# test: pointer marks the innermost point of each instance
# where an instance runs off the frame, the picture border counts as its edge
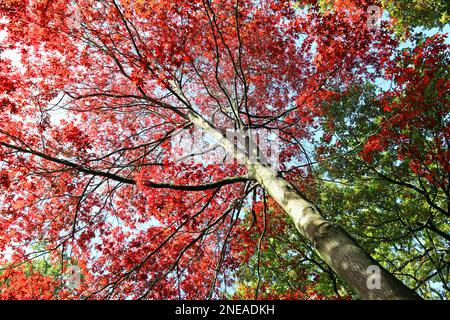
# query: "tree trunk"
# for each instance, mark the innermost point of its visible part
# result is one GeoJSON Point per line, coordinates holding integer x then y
{"type": "Point", "coordinates": [335, 246]}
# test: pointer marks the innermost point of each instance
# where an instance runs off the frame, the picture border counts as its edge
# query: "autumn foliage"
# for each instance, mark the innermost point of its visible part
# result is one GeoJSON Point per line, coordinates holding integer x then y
{"type": "Point", "coordinates": [88, 112]}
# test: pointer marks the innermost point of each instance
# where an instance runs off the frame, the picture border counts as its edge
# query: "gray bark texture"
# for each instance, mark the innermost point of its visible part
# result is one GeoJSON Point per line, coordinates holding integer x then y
{"type": "Point", "coordinates": [334, 245]}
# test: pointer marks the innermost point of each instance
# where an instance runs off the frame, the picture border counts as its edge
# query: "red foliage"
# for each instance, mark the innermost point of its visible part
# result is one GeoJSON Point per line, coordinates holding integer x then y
{"type": "Point", "coordinates": [416, 111]}
{"type": "Point", "coordinates": [96, 96]}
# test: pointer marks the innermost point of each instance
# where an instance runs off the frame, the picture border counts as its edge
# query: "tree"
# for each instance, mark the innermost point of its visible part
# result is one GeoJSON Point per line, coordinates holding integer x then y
{"type": "Point", "coordinates": [102, 90]}
{"type": "Point", "coordinates": [405, 14]}
{"type": "Point", "coordinates": [392, 195]}
{"type": "Point", "coordinates": [389, 153]}
{"type": "Point", "coordinates": [410, 14]}
{"type": "Point", "coordinates": [41, 278]}
{"type": "Point", "coordinates": [283, 265]}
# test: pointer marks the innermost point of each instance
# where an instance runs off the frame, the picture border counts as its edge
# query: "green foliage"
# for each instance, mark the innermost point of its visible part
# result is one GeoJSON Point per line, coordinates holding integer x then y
{"type": "Point", "coordinates": [418, 13]}
{"type": "Point", "coordinates": [406, 14]}
{"type": "Point", "coordinates": [289, 268]}
{"type": "Point", "coordinates": [392, 222]}
{"type": "Point", "coordinates": [41, 277]}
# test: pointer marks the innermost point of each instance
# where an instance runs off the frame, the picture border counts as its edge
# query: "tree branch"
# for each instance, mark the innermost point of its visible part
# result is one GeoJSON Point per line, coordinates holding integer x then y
{"type": "Point", "coordinates": [201, 187]}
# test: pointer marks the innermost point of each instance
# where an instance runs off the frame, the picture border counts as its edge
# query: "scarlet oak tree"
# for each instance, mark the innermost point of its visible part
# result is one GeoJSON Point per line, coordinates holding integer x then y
{"type": "Point", "coordinates": [102, 88]}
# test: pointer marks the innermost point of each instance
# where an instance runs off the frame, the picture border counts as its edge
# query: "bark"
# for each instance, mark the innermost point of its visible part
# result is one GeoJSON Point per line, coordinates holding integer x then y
{"type": "Point", "coordinates": [334, 245]}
